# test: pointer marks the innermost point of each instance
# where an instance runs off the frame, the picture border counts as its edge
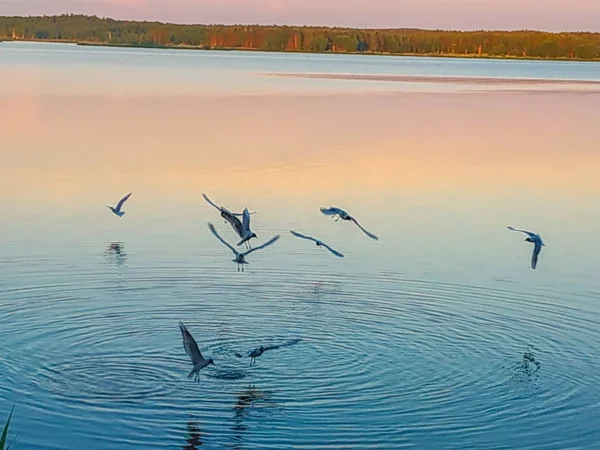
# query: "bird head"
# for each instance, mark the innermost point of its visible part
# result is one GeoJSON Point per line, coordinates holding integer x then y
{"type": "Point", "coordinates": [253, 235]}
{"type": "Point", "coordinates": [261, 348]}
{"type": "Point", "coordinates": [528, 239]}
{"type": "Point", "coordinates": [210, 361]}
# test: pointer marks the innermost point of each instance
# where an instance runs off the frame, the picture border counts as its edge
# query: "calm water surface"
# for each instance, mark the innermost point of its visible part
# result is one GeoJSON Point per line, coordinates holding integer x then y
{"type": "Point", "coordinates": [438, 335]}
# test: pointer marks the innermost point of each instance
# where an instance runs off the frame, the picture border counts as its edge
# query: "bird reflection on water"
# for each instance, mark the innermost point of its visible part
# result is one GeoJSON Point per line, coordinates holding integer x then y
{"type": "Point", "coordinates": [248, 398]}
{"type": "Point", "coordinates": [115, 253]}
{"type": "Point", "coordinates": [193, 438]}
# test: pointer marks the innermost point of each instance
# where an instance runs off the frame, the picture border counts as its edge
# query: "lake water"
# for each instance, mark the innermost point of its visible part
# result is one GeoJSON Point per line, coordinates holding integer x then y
{"type": "Point", "coordinates": [437, 336]}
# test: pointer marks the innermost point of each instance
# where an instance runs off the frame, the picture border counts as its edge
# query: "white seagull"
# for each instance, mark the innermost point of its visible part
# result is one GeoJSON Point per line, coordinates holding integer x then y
{"type": "Point", "coordinates": [241, 229]}
{"type": "Point", "coordinates": [536, 239]}
{"type": "Point", "coordinates": [191, 348]}
{"type": "Point", "coordinates": [117, 209]}
{"type": "Point", "coordinates": [318, 242]}
{"type": "Point", "coordinates": [240, 258]}
{"type": "Point", "coordinates": [253, 354]}
{"type": "Point", "coordinates": [341, 214]}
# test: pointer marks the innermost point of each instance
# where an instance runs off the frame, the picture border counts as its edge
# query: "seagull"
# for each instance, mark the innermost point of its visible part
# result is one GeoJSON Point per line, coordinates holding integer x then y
{"type": "Point", "coordinates": [191, 348]}
{"type": "Point", "coordinates": [253, 354]}
{"type": "Point", "coordinates": [240, 258]}
{"type": "Point", "coordinates": [247, 234]}
{"type": "Point", "coordinates": [241, 229]}
{"type": "Point", "coordinates": [117, 209]}
{"type": "Point", "coordinates": [319, 243]}
{"type": "Point", "coordinates": [537, 244]}
{"type": "Point", "coordinates": [341, 214]}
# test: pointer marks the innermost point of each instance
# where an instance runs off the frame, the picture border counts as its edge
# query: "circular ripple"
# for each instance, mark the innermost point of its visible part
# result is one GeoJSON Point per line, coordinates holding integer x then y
{"type": "Point", "coordinates": [406, 362]}
{"type": "Point", "coordinates": [108, 378]}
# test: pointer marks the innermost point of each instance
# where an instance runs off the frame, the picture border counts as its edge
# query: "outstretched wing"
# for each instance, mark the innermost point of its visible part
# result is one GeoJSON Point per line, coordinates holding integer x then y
{"type": "Point", "coordinates": [310, 238]}
{"type": "Point", "coordinates": [271, 347]}
{"type": "Point", "coordinates": [190, 345]}
{"type": "Point", "coordinates": [371, 235]}
{"type": "Point", "coordinates": [529, 233]}
{"type": "Point", "coordinates": [266, 244]}
{"type": "Point", "coordinates": [537, 247]}
{"type": "Point", "coordinates": [210, 202]}
{"type": "Point", "coordinates": [235, 223]}
{"type": "Point", "coordinates": [223, 241]}
{"type": "Point", "coordinates": [123, 200]}
{"type": "Point", "coordinates": [332, 211]}
{"type": "Point", "coordinates": [246, 219]}
{"type": "Point", "coordinates": [285, 344]}
{"type": "Point", "coordinates": [335, 252]}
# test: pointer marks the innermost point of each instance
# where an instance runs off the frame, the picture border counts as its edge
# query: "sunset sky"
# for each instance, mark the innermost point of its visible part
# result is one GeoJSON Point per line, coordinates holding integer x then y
{"type": "Point", "coordinates": [552, 15]}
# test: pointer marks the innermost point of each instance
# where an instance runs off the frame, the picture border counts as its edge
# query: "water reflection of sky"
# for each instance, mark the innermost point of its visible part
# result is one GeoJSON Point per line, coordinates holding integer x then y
{"type": "Point", "coordinates": [64, 68]}
{"type": "Point", "coordinates": [433, 327]}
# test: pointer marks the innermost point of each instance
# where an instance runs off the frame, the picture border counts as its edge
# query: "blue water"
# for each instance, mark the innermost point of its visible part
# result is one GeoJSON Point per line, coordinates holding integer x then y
{"type": "Point", "coordinates": [437, 336]}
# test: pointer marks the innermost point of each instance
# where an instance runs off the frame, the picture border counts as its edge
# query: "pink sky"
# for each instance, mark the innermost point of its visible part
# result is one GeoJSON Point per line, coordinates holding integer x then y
{"type": "Point", "coordinates": [553, 15]}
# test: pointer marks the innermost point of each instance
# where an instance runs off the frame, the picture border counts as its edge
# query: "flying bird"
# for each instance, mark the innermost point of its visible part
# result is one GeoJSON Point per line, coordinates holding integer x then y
{"type": "Point", "coordinates": [240, 258]}
{"type": "Point", "coordinates": [247, 234]}
{"type": "Point", "coordinates": [241, 229]}
{"type": "Point", "coordinates": [255, 353]}
{"type": "Point", "coordinates": [117, 209]}
{"type": "Point", "coordinates": [191, 348]}
{"type": "Point", "coordinates": [341, 214]}
{"type": "Point", "coordinates": [537, 244]}
{"type": "Point", "coordinates": [318, 242]}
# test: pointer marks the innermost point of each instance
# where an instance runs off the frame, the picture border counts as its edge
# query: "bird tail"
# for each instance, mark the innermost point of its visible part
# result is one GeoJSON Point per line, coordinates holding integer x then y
{"type": "Point", "coordinates": [239, 355]}
{"type": "Point", "coordinates": [196, 369]}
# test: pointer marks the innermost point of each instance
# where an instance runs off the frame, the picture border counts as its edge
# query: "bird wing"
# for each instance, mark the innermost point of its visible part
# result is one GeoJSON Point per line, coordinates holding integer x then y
{"type": "Point", "coordinates": [214, 231]}
{"type": "Point", "coordinates": [266, 244]}
{"type": "Point", "coordinates": [190, 345]}
{"type": "Point", "coordinates": [271, 347]}
{"type": "Point", "coordinates": [335, 252]}
{"type": "Point", "coordinates": [123, 200]}
{"type": "Point", "coordinates": [246, 219]}
{"type": "Point", "coordinates": [210, 202]}
{"type": "Point", "coordinates": [331, 211]}
{"type": "Point", "coordinates": [310, 238]}
{"type": "Point", "coordinates": [241, 214]}
{"type": "Point", "coordinates": [285, 344]}
{"type": "Point", "coordinates": [233, 221]}
{"type": "Point", "coordinates": [537, 247]}
{"type": "Point", "coordinates": [529, 233]}
{"type": "Point", "coordinates": [371, 235]}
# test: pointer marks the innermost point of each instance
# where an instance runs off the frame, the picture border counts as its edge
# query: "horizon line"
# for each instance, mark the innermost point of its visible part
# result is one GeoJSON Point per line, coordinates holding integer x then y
{"type": "Point", "coordinates": [334, 27]}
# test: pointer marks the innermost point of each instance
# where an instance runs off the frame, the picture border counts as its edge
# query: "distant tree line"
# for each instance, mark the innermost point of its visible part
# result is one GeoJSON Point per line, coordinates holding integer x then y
{"type": "Point", "coordinates": [92, 29]}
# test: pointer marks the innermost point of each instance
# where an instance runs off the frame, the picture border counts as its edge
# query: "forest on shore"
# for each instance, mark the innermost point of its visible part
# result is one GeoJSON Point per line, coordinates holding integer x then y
{"type": "Point", "coordinates": [401, 41]}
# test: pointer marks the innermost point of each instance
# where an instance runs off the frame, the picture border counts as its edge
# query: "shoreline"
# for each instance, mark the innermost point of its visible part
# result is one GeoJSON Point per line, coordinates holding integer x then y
{"type": "Point", "coordinates": [469, 56]}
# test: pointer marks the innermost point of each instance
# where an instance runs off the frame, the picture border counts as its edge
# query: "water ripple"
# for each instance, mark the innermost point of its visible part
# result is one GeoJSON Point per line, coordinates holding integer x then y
{"type": "Point", "coordinates": [408, 362]}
